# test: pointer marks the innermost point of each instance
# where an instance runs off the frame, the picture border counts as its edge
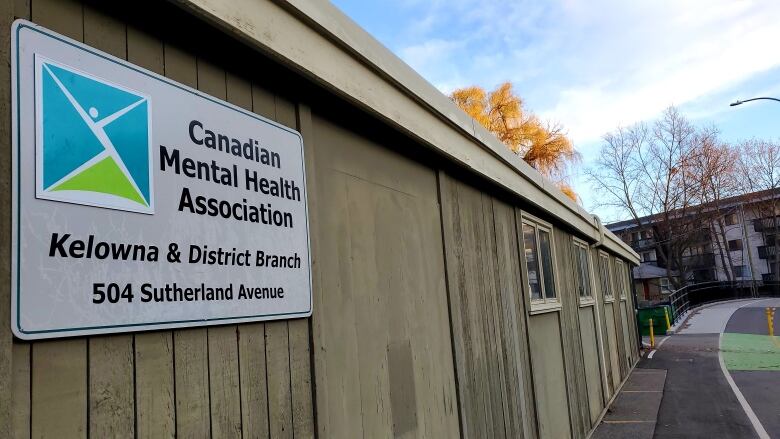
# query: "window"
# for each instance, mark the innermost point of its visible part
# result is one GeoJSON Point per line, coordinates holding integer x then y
{"type": "Point", "coordinates": [604, 280]}
{"type": "Point", "coordinates": [730, 219]}
{"type": "Point", "coordinates": [664, 284]}
{"type": "Point", "coordinates": [622, 278]}
{"type": "Point", "coordinates": [735, 245]}
{"type": "Point", "coordinates": [582, 262]}
{"type": "Point", "coordinates": [770, 239]}
{"type": "Point", "coordinates": [739, 270]}
{"type": "Point", "coordinates": [648, 256]}
{"type": "Point", "coordinates": [538, 248]}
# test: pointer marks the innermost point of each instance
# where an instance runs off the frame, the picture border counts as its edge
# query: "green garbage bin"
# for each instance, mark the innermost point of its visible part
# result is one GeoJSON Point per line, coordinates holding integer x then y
{"type": "Point", "coordinates": [659, 319]}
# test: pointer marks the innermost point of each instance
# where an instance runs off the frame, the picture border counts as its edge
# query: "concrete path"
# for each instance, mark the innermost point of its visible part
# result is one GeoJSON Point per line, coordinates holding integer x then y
{"type": "Point", "coordinates": [722, 378]}
{"type": "Point", "coordinates": [712, 319]}
{"type": "Point", "coordinates": [635, 410]}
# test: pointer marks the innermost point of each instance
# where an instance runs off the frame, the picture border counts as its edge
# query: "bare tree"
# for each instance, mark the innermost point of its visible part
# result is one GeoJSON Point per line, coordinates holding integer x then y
{"type": "Point", "coordinates": [715, 165]}
{"type": "Point", "coordinates": [649, 173]}
{"type": "Point", "coordinates": [759, 174]}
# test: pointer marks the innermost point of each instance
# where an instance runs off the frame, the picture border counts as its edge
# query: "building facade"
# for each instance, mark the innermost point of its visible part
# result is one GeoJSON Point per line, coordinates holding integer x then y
{"type": "Point", "coordinates": [735, 241]}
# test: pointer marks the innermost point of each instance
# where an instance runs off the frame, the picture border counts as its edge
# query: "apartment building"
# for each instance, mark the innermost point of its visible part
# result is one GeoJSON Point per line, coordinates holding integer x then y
{"type": "Point", "coordinates": [733, 240]}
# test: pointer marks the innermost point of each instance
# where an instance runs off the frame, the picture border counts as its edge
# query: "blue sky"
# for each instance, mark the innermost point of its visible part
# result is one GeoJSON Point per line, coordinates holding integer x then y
{"type": "Point", "coordinates": [592, 65]}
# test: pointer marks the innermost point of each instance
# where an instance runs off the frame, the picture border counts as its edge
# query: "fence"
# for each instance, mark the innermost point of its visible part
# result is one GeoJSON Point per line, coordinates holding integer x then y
{"type": "Point", "coordinates": [691, 296]}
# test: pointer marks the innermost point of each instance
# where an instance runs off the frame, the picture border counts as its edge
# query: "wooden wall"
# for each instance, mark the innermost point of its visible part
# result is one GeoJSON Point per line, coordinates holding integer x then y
{"type": "Point", "coordinates": [250, 380]}
{"type": "Point", "coordinates": [382, 347]}
{"type": "Point", "coordinates": [421, 324]}
{"type": "Point", "coordinates": [490, 338]}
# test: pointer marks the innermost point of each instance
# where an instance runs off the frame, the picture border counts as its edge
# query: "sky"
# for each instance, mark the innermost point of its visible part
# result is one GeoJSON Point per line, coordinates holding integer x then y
{"type": "Point", "coordinates": [594, 65]}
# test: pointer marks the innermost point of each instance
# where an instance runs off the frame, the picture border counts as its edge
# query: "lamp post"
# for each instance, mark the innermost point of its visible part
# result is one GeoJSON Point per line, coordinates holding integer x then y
{"type": "Point", "coordinates": [738, 102]}
{"type": "Point", "coordinates": [742, 208]}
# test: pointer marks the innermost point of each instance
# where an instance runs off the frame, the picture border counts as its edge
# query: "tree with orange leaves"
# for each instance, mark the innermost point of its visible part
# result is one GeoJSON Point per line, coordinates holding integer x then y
{"type": "Point", "coordinates": [543, 146]}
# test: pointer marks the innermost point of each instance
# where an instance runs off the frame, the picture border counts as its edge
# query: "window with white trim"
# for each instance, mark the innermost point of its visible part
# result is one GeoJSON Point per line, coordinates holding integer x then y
{"type": "Point", "coordinates": [539, 261]}
{"type": "Point", "coordinates": [604, 278]}
{"type": "Point", "coordinates": [622, 278]}
{"type": "Point", "coordinates": [582, 263]}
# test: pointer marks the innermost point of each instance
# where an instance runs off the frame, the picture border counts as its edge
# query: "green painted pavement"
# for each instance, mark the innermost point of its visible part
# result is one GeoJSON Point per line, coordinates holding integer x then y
{"type": "Point", "coordinates": [750, 351]}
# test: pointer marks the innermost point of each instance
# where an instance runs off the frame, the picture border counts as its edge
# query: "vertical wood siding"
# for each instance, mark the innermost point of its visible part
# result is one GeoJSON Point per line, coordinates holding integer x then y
{"type": "Point", "coordinates": [487, 312]}
{"type": "Point", "coordinates": [202, 382]}
{"type": "Point", "coordinates": [576, 385]}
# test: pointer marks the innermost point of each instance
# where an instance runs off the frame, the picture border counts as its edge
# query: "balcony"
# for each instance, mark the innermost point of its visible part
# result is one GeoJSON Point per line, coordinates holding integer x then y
{"type": "Point", "coordinates": [767, 251]}
{"type": "Point", "coordinates": [693, 262]}
{"type": "Point", "coordinates": [644, 243]}
{"type": "Point", "coordinates": [766, 224]}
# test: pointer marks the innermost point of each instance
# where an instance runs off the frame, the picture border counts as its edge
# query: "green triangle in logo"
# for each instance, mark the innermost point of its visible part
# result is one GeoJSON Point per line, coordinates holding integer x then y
{"type": "Point", "coordinates": [105, 177]}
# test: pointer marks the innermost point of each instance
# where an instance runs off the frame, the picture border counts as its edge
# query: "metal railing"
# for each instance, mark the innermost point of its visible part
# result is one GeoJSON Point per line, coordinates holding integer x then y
{"type": "Point", "coordinates": [766, 224]}
{"type": "Point", "coordinates": [767, 251]}
{"type": "Point", "coordinates": [691, 296]}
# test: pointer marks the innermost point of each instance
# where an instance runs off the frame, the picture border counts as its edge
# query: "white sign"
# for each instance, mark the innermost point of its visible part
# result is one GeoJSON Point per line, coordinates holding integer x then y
{"type": "Point", "coordinates": [140, 203]}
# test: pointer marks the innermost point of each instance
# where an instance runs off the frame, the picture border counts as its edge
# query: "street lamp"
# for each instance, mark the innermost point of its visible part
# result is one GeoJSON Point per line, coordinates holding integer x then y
{"type": "Point", "coordinates": [738, 102]}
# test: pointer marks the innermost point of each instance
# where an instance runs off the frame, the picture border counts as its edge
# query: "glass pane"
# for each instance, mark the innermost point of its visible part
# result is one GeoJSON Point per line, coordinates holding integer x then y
{"type": "Point", "coordinates": [531, 261]}
{"type": "Point", "coordinates": [584, 272]}
{"type": "Point", "coordinates": [547, 264]}
{"type": "Point", "coordinates": [578, 268]}
{"type": "Point", "coordinates": [604, 276]}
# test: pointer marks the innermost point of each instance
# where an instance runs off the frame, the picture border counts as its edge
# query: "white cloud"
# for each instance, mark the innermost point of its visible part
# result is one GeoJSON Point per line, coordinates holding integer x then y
{"type": "Point", "coordinates": [592, 65]}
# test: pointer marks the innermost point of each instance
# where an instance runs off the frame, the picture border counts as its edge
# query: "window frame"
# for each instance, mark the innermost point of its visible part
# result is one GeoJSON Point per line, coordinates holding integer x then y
{"type": "Point", "coordinates": [611, 297]}
{"type": "Point", "coordinates": [742, 269]}
{"type": "Point", "coordinates": [544, 304]}
{"type": "Point", "coordinates": [578, 244]}
{"type": "Point", "coordinates": [620, 268]}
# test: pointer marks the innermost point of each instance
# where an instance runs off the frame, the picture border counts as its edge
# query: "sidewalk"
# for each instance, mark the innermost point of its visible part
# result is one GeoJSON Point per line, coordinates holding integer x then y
{"type": "Point", "coordinates": [635, 410]}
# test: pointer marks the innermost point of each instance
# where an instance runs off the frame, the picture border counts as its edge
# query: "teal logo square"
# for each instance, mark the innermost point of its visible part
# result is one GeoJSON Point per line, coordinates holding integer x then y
{"type": "Point", "coordinates": [94, 145]}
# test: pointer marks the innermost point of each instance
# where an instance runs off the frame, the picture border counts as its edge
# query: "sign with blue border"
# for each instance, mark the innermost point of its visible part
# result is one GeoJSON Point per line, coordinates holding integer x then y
{"type": "Point", "coordinates": [140, 203]}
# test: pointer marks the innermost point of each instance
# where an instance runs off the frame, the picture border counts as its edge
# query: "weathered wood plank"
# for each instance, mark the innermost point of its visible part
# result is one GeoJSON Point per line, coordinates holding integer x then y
{"type": "Point", "coordinates": [111, 382]}
{"type": "Point", "coordinates": [20, 391]}
{"type": "Point", "coordinates": [63, 16]}
{"type": "Point", "coordinates": [145, 50]}
{"type": "Point", "coordinates": [193, 418]}
{"type": "Point", "coordinates": [59, 389]}
{"type": "Point", "coordinates": [263, 102]}
{"type": "Point", "coordinates": [105, 32]}
{"type": "Point", "coordinates": [300, 379]}
{"type": "Point", "coordinates": [278, 371]}
{"type": "Point", "coordinates": [300, 330]}
{"type": "Point", "coordinates": [154, 392]}
{"type": "Point", "coordinates": [512, 318]}
{"type": "Point", "coordinates": [549, 376]}
{"type": "Point", "coordinates": [8, 384]}
{"type": "Point", "coordinates": [252, 370]}
{"type": "Point", "coordinates": [238, 91]}
{"type": "Point", "coordinates": [225, 395]}
{"type": "Point", "coordinates": [570, 332]}
{"type": "Point", "coordinates": [22, 9]}
{"type": "Point", "coordinates": [180, 66]}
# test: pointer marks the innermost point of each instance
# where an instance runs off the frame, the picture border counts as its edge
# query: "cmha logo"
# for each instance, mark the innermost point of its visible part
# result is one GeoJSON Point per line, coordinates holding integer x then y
{"type": "Point", "coordinates": [93, 140]}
